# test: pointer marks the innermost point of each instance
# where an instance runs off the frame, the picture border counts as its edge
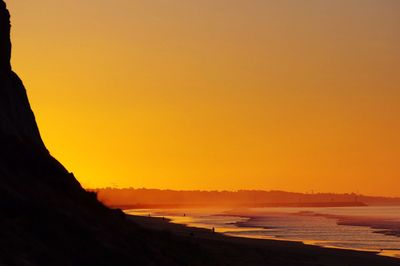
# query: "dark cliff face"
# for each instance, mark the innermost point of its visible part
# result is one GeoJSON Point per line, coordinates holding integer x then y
{"type": "Point", "coordinates": [16, 118]}
{"type": "Point", "coordinates": [24, 160]}
{"type": "Point", "coordinates": [23, 155]}
{"type": "Point", "coordinates": [46, 217]}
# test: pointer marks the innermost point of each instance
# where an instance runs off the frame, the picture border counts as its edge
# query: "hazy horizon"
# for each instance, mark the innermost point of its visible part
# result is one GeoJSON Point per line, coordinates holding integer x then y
{"type": "Point", "coordinates": [306, 192]}
{"type": "Point", "coordinates": [216, 95]}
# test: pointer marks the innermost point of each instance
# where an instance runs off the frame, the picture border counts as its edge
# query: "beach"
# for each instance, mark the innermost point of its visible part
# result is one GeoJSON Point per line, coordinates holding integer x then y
{"type": "Point", "coordinates": [232, 250]}
{"type": "Point", "coordinates": [367, 228]}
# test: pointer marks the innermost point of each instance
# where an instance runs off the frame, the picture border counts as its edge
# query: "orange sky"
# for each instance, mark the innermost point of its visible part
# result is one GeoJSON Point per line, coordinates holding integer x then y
{"type": "Point", "coordinates": [216, 94]}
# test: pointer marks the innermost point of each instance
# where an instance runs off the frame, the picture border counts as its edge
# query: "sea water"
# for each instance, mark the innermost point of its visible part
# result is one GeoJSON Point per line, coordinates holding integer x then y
{"type": "Point", "coordinates": [317, 226]}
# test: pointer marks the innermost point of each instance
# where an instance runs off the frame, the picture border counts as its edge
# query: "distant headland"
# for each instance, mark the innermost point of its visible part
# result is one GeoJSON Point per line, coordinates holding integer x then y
{"type": "Point", "coordinates": [156, 198]}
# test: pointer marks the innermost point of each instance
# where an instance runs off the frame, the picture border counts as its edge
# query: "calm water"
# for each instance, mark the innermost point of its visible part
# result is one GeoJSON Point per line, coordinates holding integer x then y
{"type": "Point", "coordinates": [309, 225]}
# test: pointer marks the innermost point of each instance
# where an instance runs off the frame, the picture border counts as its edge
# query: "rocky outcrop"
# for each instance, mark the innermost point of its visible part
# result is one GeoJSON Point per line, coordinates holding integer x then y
{"type": "Point", "coordinates": [46, 217]}
{"type": "Point", "coordinates": [16, 117]}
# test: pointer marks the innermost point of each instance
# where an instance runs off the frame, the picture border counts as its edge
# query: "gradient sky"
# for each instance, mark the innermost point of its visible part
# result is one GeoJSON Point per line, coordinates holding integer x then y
{"type": "Point", "coordinates": [296, 95]}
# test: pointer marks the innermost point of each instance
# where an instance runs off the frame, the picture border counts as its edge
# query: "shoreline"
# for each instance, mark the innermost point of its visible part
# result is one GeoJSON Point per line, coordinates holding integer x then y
{"type": "Point", "coordinates": [380, 225]}
{"type": "Point", "coordinates": [305, 251]}
{"type": "Point", "coordinates": [384, 227]}
{"type": "Point", "coordinates": [245, 221]}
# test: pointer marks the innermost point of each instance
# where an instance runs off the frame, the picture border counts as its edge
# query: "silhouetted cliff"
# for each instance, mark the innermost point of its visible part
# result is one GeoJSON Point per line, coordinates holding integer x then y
{"type": "Point", "coordinates": [16, 118]}
{"type": "Point", "coordinates": [46, 218]}
{"type": "Point", "coordinates": [27, 170]}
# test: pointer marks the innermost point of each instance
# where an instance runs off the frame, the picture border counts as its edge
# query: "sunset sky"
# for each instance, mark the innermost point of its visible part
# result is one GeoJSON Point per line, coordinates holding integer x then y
{"type": "Point", "coordinates": [296, 95]}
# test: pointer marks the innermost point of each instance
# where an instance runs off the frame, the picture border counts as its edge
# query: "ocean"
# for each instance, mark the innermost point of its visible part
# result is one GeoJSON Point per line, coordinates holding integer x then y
{"type": "Point", "coordinates": [359, 228]}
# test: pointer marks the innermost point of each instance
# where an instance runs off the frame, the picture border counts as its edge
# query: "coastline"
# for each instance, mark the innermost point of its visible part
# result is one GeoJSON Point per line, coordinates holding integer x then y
{"type": "Point", "coordinates": [281, 252]}
{"type": "Point", "coordinates": [379, 225]}
{"type": "Point", "coordinates": [251, 224]}
{"type": "Point", "coordinates": [325, 244]}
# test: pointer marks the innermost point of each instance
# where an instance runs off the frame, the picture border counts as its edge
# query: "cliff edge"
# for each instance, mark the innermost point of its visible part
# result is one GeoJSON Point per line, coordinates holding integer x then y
{"type": "Point", "coordinates": [46, 217]}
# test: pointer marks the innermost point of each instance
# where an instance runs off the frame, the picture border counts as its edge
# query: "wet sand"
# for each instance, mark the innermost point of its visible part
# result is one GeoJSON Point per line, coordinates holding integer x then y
{"type": "Point", "coordinates": [229, 250]}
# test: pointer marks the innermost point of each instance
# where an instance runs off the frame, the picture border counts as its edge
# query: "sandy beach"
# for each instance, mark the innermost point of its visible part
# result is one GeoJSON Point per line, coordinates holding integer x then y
{"type": "Point", "coordinates": [227, 250]}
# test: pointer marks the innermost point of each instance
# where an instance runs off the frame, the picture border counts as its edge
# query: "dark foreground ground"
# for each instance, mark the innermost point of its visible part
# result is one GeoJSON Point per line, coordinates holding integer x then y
{"type": "Point", "coordinates": [218, 249]}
